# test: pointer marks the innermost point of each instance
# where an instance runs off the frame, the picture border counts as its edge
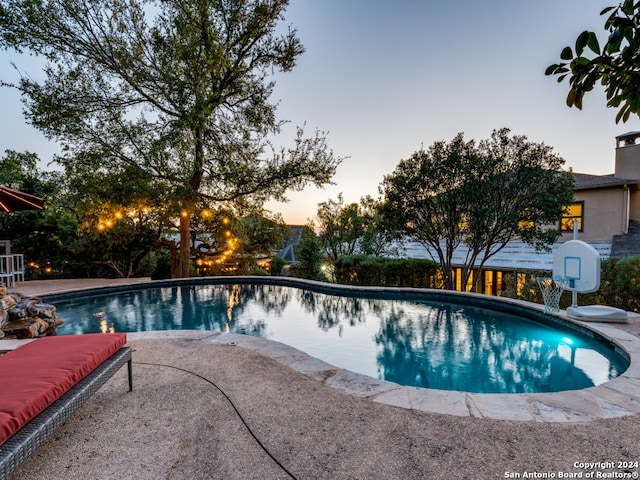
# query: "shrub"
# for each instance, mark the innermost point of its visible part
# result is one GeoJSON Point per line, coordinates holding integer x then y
{"type": "Point", "coordinates": [620, 283]}
{"type": "Point", "coordinates": [387, 272]}
{"type": "Point", "coordinates": [162, 267]}
{"type": "Point", "coordinates": [277, 265]}
{"type": "Point", "coordinates": [310, 256]}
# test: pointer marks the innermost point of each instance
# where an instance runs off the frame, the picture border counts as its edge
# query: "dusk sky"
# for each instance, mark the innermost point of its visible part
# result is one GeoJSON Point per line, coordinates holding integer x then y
{"type": "Point", "coordinates": [384, 78]}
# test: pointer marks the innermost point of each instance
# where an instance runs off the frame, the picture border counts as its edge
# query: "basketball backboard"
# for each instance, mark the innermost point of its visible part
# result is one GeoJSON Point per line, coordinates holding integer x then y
{"type": "Point", "coordinates": [579, 263]}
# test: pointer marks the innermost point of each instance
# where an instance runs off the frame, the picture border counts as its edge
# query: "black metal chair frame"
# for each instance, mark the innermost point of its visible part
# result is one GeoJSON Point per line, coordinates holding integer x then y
{"type": "Point", "coordinates": [32, 435]}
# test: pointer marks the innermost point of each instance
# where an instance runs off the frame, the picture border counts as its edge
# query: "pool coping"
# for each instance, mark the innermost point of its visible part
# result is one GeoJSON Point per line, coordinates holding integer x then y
{"type": "Point", "coordinates": [616, 398]}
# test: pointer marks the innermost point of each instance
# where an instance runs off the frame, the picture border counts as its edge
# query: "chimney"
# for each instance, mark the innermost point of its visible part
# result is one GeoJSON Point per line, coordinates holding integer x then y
{"type": "Point", "coordinates": [628, 156]}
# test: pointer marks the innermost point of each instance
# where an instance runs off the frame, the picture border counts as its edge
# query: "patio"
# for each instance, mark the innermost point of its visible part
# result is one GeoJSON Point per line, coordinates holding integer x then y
{"type": "Point", "coordinates": [177, 424]}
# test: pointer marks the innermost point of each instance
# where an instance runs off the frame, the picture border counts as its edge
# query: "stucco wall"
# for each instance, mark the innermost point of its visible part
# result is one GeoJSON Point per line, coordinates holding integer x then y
{"type": "Point", "coordinates": [628, 167]}
{"type": "Point", "coordinates": [604, 214]}
{"type": "Point", "coordinates": [628, 162]}
{"type": "Point", "coordinates": [634, 201]}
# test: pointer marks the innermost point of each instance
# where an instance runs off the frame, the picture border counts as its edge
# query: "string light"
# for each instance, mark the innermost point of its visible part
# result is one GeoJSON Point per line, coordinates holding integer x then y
{"type": "Point", "coordinates": [135, 214]}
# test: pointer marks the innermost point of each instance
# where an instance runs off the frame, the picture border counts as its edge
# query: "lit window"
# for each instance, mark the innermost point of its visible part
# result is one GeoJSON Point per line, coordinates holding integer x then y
{"type": "Point", "coordinates": [524, 223]}
{"type": "Point", "coordinates": [575, 211]}
{"type": "Point", "coordinates": [488, 282]}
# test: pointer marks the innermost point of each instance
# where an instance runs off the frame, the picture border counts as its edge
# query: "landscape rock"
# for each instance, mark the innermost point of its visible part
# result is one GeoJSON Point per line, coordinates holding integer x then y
{"type": "Point", "coordinates": [7, 303]}
{"type": "Point", "coordinates": [26, 328]}
{"type": "Point", "coordinates": [26, 317]}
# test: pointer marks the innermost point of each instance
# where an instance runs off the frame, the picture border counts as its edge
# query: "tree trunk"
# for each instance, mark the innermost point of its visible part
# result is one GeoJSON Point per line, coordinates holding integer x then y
{"type": "Point", "coordinates": [173, 252]}
{"type": "Point", "coordinates": [185, 215]}
{"type": "Point", "coordinates": [449, 282]}
{"type": "Point", "coordinates": [185, 244]}
{"type": "Point", "coordinates": [113, 268]}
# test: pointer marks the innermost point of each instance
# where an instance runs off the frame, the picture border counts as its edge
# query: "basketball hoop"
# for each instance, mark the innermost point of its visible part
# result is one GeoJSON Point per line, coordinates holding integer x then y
{"type": "Point", "coordinates": [552, 290]}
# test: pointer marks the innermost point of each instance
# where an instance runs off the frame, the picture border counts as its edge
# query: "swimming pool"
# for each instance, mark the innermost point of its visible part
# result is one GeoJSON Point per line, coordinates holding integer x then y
{"type": "Point", "coordinates": [410, 337]}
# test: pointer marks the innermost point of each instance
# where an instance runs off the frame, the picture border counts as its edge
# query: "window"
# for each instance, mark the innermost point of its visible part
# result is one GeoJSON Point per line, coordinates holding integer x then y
{"type": "Point", "coordinates": [524, 224]}
{"type": "Point", "coordinates": [458, 277]}
{"type": "Point", "coordinates": [493, 282]}
{"type": "Point", "coordinates": [575, 211]}
{"type": "Point", "coordinates": [488, 282]}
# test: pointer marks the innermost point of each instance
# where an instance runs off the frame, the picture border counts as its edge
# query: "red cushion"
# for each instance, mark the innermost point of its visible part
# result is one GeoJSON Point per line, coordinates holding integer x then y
{"type": "Point", "coordinates": [35, 375]}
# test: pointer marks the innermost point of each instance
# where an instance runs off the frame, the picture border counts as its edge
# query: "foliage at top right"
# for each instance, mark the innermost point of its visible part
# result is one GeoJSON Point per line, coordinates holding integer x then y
{"type": "Point", "coordinates": [616, 65]}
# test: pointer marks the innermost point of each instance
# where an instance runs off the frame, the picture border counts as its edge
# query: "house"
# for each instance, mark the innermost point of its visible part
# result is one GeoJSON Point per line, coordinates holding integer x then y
{"type": "Point", "coordinates": [606, 207]}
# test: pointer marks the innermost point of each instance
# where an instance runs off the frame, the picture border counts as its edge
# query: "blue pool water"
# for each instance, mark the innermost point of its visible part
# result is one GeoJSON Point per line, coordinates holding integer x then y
{"type": "Point", "coordinates": [418, 342]}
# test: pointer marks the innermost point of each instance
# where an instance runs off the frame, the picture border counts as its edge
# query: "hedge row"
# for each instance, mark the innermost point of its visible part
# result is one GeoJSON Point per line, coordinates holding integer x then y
{"type": "Point", "coordinates": [387, 272]}
{"type": "Point", "coordinates": [619, 285]}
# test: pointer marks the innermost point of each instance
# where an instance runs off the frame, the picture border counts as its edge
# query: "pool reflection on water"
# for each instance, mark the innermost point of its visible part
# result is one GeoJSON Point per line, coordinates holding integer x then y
{"type": "Point", "coordinates": [433, 344]}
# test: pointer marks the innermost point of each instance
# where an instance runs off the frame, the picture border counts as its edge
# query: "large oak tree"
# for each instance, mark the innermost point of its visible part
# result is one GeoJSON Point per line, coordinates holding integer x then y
{"type": "Point", "coordinates": [176, 88]}
{"type": "Point", "coordinates": [479, 197]}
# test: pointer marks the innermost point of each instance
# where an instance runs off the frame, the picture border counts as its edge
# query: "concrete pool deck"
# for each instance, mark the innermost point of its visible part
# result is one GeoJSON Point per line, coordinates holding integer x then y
{"type": "Point", "coordinates": [317, 421]}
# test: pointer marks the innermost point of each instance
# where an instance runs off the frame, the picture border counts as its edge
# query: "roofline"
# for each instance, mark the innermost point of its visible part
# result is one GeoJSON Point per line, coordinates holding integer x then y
{"type": "Point", "coordinates": [621, 183]}
{"type": "Point", "coordinates": [609, 181]}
